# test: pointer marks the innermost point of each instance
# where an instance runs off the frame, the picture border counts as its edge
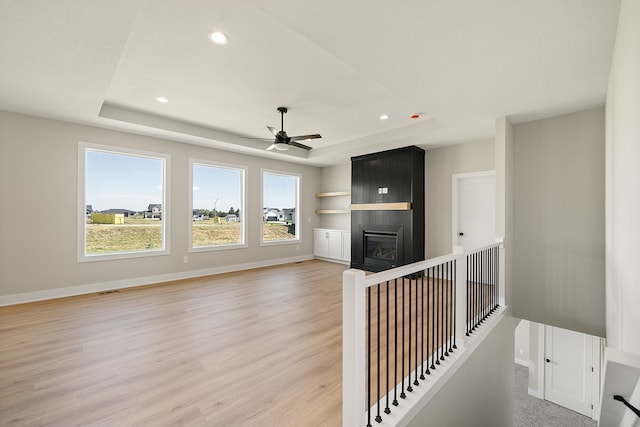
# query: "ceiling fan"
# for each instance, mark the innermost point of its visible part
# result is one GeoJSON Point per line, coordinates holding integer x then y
{"type": "Point", "coordinates": [283, 141]}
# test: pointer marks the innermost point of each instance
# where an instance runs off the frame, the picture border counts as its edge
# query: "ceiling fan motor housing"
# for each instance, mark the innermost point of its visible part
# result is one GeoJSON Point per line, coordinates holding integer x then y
{"type": "Point", "coordinates": [282, 137]}
{"type": "Point", "coordinates": [283, 141]}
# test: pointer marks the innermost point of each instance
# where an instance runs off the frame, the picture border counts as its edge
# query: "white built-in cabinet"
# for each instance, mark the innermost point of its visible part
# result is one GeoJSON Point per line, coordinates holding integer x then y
{"type": "Point", "coordinates": [332, 244]}
{"type": "Point", "coordinates": [346, 246]}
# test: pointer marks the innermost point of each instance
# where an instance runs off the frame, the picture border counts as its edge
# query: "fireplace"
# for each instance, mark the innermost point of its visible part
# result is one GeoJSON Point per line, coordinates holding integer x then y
{"type": "Point", "coordinates": [382, 249]}
{"type": "Point", "coordinates": [387, 209]}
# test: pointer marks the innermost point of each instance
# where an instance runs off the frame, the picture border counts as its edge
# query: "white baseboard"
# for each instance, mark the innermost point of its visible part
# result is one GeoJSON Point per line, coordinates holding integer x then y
{"type": "Point", "coordinates": [138, 281]}
{"type": "Point", "coordinates": [535, 393]}
{"type": "Point", "coordinates": [531, 391]}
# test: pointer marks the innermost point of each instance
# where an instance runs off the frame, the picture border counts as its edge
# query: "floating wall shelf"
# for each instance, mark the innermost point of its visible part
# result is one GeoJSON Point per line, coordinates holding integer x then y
{"type": "Point", "coordinates": [333, 211]}
{"type": "Point", "coordinates": [333, 194]}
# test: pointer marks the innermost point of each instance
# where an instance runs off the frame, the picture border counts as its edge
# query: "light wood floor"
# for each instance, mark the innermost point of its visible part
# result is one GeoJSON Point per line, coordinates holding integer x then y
{"type": "Point", "coordinates": [254, 348]}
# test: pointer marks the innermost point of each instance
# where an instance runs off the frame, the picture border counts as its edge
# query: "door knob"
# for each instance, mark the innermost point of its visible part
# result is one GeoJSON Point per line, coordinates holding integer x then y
{"type": "Point", "coordinates": [548, 360]}
{"type": "Point", "coordinates": [461, 234]}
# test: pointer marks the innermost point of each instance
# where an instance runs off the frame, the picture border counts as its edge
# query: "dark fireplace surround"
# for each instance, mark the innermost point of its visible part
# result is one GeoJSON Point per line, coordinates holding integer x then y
{"type": "Point", "coordinates": [387, 209]}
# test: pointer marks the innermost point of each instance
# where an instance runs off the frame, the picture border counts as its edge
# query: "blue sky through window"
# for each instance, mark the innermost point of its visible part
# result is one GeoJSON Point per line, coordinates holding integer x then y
{"type": "Point", "coordinates": [279, 191]}
{"type": "Point", "coordinates": [120, 181]}
{"type": "Point", "coordinates": [214, 182]}
{"type": "Point", "coordinates": [123, 181]}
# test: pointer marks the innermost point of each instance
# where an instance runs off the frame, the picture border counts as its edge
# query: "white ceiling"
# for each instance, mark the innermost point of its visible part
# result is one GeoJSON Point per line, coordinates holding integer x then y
{"type": "Point", "coordinates": [337, 65]}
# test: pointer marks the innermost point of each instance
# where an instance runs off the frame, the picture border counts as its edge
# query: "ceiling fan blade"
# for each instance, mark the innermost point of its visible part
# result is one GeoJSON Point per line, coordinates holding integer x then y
{"type": "Point", "coordinates": [305, 137]}
{"type": "Point", "coordinates": [258, 139]}
{"type": "Point", "coordinates": [271, 147]}
{"type": "Point", "coordinates": [297, 144]}
{"type": "Point", "coordinates": [274, 131]}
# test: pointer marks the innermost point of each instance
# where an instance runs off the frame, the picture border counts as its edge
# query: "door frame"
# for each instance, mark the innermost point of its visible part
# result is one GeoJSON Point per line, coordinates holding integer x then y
{"type": "Point", "coordinates": [455, 185]}
{"type": "Point", "coordinates": [596, 361]}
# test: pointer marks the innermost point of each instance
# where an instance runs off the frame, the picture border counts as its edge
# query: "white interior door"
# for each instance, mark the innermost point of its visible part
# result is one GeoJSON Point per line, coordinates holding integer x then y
{"type": "Point", "coordinates": [474, 209]}
{"type": "Point", "coordinates": [569, 369]}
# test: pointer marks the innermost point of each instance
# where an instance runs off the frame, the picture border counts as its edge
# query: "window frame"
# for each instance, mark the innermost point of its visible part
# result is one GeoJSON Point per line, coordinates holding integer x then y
{"type": "Point", "coordinates": [82, 256]}
{"type": "Point", "coordinates": [298, 215]}
{"type": "Point", "coordinates": [243, 209]}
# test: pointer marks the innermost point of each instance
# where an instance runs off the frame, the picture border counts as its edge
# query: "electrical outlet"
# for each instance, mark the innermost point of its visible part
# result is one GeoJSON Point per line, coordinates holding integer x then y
{"type": "Point", "coordinates": [186, 260]}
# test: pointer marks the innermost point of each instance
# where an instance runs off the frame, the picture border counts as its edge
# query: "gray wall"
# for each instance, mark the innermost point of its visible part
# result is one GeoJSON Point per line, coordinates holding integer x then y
{"type": "Point", "coordinates": [623, 185]}
{"type": "Point", "coordinates": [481, 392]}
{"type": "Point", "coordinates": [440, 164]}
{"type": "Point", "coordinates": [535, 329]}
{"type": "Point", "coordinates": [559, 221]}
{"type": "Point", "coordinates": [38, 204]}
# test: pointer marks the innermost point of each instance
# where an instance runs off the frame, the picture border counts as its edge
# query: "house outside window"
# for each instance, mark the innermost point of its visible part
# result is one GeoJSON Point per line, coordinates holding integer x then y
{"type": "Point", "coordinates": [280, 199]}
{"type": "Point", "coordinates": [217, 205]}
{"type": "Point", "coordinates": [121, 193]}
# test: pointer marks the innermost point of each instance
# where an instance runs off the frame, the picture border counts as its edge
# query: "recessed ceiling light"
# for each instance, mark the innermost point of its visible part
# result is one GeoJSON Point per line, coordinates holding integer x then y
{"type": "Point", "coordinates": [415, 116]}
{"type": "Point", "coordinates": [218, 38]}
{"type": "Point", "coordinates": [162, 99]}
{"type": "Point", "coordinates": [384, 117]}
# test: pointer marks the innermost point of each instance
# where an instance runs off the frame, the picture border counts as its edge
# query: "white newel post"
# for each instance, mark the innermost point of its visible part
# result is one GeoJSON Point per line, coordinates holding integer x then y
{"type": "Point", "coordinates": [461, 296]}
{"type": "Point", "coordinates": [353, 348]}
{"type": "Point", "coordinates": [501, 272]}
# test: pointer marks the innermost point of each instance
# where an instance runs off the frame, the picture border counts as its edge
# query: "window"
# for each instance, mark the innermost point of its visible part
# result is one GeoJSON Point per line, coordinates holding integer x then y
{"type": "Point", "coordinates": [122, 203]}
{"type": "Point", "coordinates": [217, 205]}
{"type": "Point", "coordinates": [280, 195]}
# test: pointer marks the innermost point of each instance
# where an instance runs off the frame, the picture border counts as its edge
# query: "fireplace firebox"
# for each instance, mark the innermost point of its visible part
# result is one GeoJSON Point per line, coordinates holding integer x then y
{"type": "Point", "coordinates": [383, 248]}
